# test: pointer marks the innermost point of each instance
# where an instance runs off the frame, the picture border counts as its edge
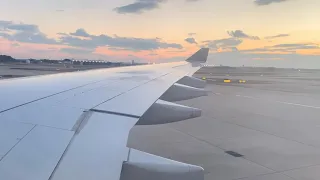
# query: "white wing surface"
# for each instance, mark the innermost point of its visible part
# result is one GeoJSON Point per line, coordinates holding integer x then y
{"type": "Point", "coordinates": [75, 126]}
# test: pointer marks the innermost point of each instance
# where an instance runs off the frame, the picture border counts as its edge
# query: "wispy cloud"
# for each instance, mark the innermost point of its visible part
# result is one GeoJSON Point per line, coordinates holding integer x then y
{"type": "Point", "coordinates": [76, 51]}
{"type": "Point", "coordinates": [229, 44]}
{"type": "Point", "coordinates": [277, 36]}
{"type": "Point", "coordinates": [286, 48]}
{"type": "Point", "coordinates": [138, 7]}
{"type": "Point", "coordinates": [223, 43]}
{"type": "Point", "coordinates": [130, 43]}
{"type": "Point", "coordinates": [241, 34]}
{"type": "Point", "coordinates": [267, 2]}
{"type": "Point", "coordinates": [267, 49]}
{"type": "Point", "coordinates": [9, 25]}
{"type": "Point", "coordinates": [153, 54]}
{"type": "Point", "coordinates": [298, 46]}
{"type": "Point", "coordinates": [191, 40]}
{"type": "Point", "coordinates": [79, 32]}
{"type": "Point", "coordinates": [28, 33]}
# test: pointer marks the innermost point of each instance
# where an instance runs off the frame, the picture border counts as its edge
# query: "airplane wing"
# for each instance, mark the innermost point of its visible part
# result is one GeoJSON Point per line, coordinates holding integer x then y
{"type": "Point", "coordinates": [75, 126]}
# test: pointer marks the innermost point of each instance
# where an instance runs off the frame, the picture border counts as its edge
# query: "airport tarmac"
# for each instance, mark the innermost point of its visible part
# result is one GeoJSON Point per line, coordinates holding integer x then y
{"type": "Point", "coordinates": [265, 129]}
{"type": "Point", "coordinates": [17, 70]}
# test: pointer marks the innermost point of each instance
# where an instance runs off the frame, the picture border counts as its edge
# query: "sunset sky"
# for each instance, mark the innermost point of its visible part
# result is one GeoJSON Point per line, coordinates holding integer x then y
{"type": "Point", "coordinates": [284, 33]}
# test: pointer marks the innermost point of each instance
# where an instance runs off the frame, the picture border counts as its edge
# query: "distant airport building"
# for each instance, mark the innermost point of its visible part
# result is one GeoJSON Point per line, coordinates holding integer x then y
{"type": "Point", "coordinates": [67, 61]}
{"type": "Point", "coordinates": [26, 61]}
{"type": "Point", "coordinates": [207, 65]}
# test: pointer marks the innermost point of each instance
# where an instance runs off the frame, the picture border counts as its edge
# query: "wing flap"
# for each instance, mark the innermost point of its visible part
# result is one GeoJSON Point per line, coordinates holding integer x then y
{"type": "Point", "coordinates": [163, 112]}
{"type": "Point", "coordinates": [179, 92]}
{"type": "Point", "coordinates": [192, 81]}
{"type": "Point", "coordinates": [145, 166]}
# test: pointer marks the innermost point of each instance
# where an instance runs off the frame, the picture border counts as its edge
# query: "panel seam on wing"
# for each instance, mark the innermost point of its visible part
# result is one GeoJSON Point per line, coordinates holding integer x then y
{"type": "Point", "coordinates": [78, 126]}
{"type": "Point", "coordinates": [17, 143]}
{"type": "Point", "coordinates": [48, 96]}
{"type": "Point", "coordinates": [115, 113]}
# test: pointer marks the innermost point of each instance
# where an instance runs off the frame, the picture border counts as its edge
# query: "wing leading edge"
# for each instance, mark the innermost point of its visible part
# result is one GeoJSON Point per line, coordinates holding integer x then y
{"type": "Point", "coordinates": [80, 129]}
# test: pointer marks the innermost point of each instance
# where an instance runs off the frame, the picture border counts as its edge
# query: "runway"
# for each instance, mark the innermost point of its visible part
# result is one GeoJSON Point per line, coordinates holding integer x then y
{"type": "Point", "coordinates": [265, 129]}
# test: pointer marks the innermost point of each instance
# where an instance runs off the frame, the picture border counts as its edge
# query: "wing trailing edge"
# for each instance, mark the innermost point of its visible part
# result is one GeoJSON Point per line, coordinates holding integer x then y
{"type": "Point", "coordinates": [145, 166]}
{"type": "Point", "coordinates": [179, 92]}
{"type": "Point", "coordinates": [192, 81]}
{"type": "Point", "coordinates": [163, 112]}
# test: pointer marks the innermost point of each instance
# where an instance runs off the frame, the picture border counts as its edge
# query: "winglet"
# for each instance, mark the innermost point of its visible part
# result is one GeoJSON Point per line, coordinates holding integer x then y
{"type": "Point", "coordinates": [200, 56]}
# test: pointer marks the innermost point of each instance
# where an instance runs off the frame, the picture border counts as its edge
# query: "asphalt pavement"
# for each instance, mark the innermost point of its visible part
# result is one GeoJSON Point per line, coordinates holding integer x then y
{"type": "Point", "coordinates": [267, 128]}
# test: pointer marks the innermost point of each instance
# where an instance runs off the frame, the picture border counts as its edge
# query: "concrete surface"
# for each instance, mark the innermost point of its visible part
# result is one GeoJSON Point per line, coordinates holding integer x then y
{"type": "Point", "coordinates": [10, 70]}
{"type": "Point", "coordinates": [273, 120]}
